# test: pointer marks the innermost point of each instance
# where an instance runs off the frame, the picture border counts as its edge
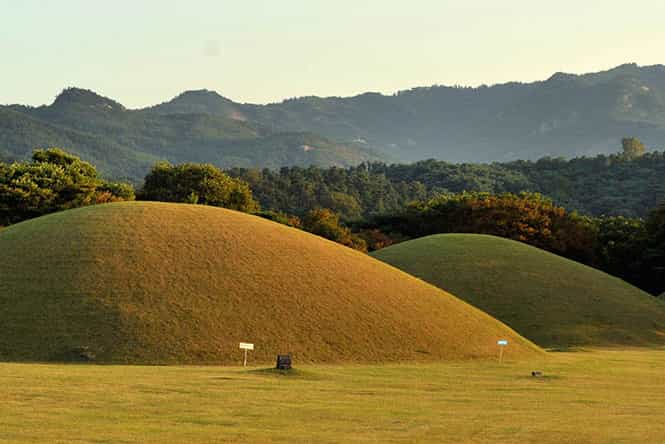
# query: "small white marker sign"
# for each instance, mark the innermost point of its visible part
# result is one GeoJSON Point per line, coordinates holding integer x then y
{"type": "Point", "coordinates": [246, 346]}
{"type": "Point", "coordinates": [502, 343]}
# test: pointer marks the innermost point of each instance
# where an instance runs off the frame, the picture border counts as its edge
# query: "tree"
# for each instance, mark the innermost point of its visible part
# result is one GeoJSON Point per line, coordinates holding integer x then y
{"type": "Point", "coordinates": [202, 184]}
{"type": "Point", "coordinates": [325, 223]}
{"type": "Point", "coordinates": [377, 239]}
{"type": "Point", "coordinates": [344, 204]}
{"type": "Point", "coordinates": [281, 218]}
{"type": "Point", "coordinates": [655, 250]}
{"type": "Point", "coordinates": [54, 180]}
{"type": "Point", "coordinates": [620, 245]}
{"type": "Point", "coordinates": [633, 147]}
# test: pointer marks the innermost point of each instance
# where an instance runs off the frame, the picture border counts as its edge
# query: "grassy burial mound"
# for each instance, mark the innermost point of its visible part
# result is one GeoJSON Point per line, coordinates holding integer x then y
{"type": "Point", "coordinates": [553, 301]}
{"type": "Point", "coordinates": [172, 283]}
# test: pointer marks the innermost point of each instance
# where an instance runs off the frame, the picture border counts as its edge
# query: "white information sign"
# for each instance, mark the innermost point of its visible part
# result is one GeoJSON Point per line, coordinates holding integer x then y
{"type": "Point", "coordinates": [246, 346]}
{"type": "Point", "coordinates": [502, 343]}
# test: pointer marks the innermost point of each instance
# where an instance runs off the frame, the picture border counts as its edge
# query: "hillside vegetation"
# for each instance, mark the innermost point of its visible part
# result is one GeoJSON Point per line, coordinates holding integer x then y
{"type": "Point", "coordinates": [173, 283]}
{"type": "Point", "coordinates": [565, 115]}
{"type": "Point", "coordinates": [614, 185]}
{"type": "Point", "coordinates": [553, 301]}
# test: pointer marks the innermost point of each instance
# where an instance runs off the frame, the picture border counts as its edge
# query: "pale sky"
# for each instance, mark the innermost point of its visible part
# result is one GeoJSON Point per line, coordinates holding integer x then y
{"type": "Point", "coordinates": [142, 52]}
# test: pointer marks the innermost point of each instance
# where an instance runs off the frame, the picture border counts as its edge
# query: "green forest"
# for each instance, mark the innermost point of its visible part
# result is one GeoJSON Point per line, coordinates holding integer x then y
{"type": "Point", "coordinates": [606, 185]}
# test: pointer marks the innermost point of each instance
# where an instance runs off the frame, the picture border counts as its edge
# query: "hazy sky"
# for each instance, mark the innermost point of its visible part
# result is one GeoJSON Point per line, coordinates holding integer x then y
{"type": "Point", "coordinates": [142, 52]}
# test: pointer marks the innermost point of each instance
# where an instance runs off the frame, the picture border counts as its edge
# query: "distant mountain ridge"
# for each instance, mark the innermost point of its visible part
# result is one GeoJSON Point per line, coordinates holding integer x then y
{"type": "Point", "coordinates": [566, 115]}
{"type": "Point", "coordinates": [201, 101]}
{"type": "Point", "coordinates": [124, 143]}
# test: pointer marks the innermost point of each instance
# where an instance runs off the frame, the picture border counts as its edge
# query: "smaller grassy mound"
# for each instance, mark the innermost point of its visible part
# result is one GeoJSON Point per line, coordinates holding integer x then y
{"type": "Point", "coordinates": [551, 300]}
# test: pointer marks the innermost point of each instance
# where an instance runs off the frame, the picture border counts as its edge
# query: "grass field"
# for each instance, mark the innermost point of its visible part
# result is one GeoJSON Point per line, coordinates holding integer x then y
{"type": "Point", "coordinates": [585, 397]}
{"type": "Point", "coordinates": [552, 301]}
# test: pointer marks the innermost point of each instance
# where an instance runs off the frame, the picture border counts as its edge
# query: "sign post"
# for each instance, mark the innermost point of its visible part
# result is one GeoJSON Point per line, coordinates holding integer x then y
{"type": "Point", "coordinates": [502, 343]}
{"type": "Point", "coordinates": [246, 346]}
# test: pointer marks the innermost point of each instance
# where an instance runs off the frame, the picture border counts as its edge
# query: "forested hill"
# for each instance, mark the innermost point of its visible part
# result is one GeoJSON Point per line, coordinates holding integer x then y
{"type": "Point", "coordinates": [616, 185]}
{"type": "Point", "coordinates": [125, 143]}
{"type": "Point", "coordinates": [565, 115]}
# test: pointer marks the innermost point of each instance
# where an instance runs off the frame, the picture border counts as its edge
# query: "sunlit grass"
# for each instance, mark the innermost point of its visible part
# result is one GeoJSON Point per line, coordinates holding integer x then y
{"type": "Point", "coordinates": [150, 282]}
{"type": "Point", "coordinates": [548, 299]}
{"type": "Point", "coordinates": [599, 396]}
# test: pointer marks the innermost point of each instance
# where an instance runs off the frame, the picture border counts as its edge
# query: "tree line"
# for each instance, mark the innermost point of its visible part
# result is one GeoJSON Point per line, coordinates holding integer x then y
{"type": "Point", "coordinates": [629, 183]}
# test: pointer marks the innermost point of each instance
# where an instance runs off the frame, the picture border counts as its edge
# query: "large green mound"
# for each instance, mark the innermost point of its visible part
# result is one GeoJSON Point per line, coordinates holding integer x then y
{"type": "Point", "coordinates": [553, 301]}
{"type": "Point", "coordinates": [173, 283]}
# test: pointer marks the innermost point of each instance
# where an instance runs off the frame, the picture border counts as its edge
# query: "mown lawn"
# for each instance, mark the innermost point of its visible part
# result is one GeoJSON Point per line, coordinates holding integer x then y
{"type": "Point", "coordinates": [592, 396]}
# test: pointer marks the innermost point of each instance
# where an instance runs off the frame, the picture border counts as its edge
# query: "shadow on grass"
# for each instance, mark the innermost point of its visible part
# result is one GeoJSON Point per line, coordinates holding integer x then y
{"type": "Point", "coordinates": [541, 378]}
{"type": "Point", "coordinates": [293, 373]}
{"type": "Point", "coordinates": [565, 349]}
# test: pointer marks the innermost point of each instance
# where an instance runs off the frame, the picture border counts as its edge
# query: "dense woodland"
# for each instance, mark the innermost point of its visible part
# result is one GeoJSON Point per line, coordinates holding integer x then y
{"type": "Point", "coordinates": [611, 185]}
{"type": "Point", "coordinates": [619, 228]}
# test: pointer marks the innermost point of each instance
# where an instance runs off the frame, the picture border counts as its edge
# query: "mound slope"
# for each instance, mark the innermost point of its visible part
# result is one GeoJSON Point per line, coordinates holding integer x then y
{"type": "Point", "coordinates": [551, 300]}
{"type": "Point", "coordinates": [154, 282]}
